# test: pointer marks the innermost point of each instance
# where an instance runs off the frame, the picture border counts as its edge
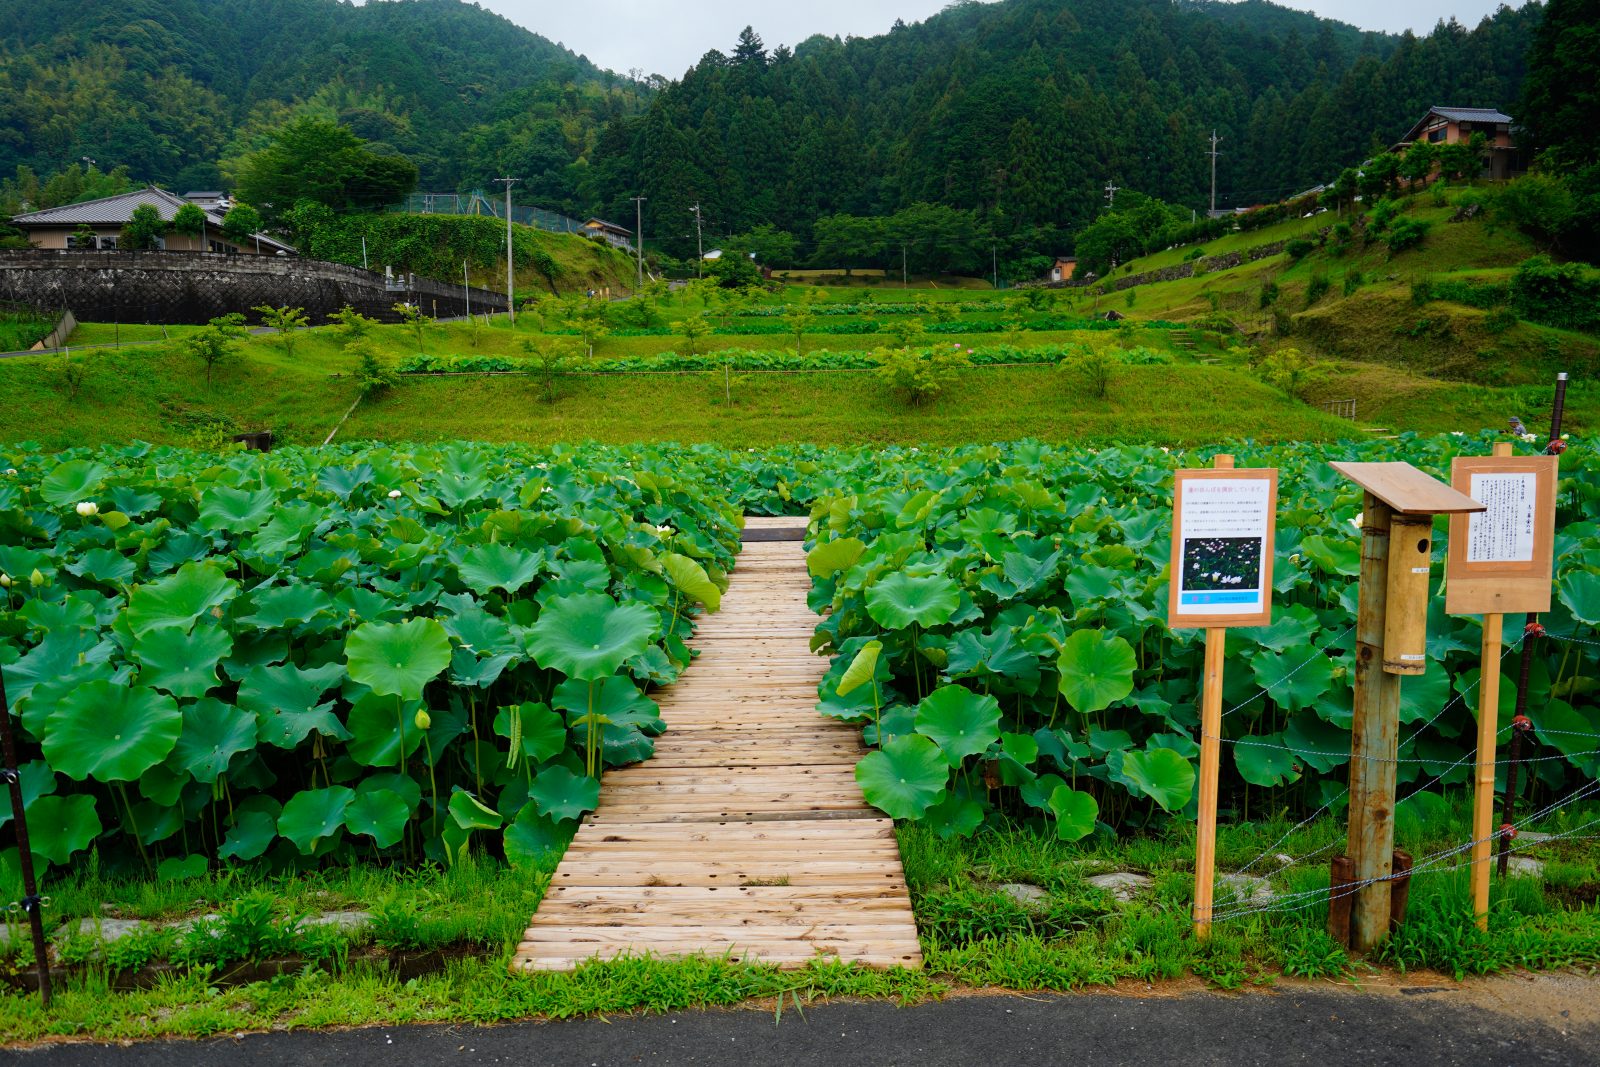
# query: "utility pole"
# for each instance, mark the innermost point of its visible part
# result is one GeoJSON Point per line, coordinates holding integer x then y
{"type": "Point", "coordinates": [1215, 140]}
{"type": "Point", "coordinates": [994, 264]}
{"type": "Point", "coordinates": [466, 289]}
{"type": "Point", "coordinates": [1111, 194]}
{"type": "Point", "coordinates": [903, 283]}
{"type": "Point", "coordinates": [511, 304]}
{"type": "Point", "coordinates": [638, 235]}
{"type": "Point", "coordinates": [699, 244]}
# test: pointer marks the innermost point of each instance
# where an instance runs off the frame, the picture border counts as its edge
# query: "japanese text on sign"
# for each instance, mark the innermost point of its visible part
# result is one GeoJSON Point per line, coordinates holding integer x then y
{"type": "Point", "coordinates": [1504, 532]}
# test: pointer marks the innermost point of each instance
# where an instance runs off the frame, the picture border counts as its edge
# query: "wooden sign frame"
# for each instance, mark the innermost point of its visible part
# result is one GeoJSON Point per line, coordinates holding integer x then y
{"type": "Point", "coordinates": [1502, 587]}
{"type": "Point", "coordinates": [1177, 617]}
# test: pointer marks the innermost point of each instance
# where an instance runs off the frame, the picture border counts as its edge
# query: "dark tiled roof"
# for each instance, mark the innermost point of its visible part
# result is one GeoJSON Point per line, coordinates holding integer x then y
{"type": "Point", "coordinates": [117, 210]}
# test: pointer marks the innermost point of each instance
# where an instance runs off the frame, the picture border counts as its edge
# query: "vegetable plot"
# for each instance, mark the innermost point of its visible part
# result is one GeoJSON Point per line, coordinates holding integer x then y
{"type": "Point", "coordinates": [317, 655]}
{"type": "Point", "coordinates": [998, 626]}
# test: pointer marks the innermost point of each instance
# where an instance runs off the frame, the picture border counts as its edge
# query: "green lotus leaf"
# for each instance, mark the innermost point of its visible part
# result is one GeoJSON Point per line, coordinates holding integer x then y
{"type": "Point", "coordinates": [1264, 761]}
{"type": "Point", "coordinates": [831, 557]}
{"type": "Point", "coordinates": [957, 815]}
{"type": "Point", "coordinates": [284, 701]}
{"type": "Point", "coordinates": [36, 779]}
{"type": "Point", "coordinates": [377, 727]}
{"type": "Point", "coordinates": [109, 732]}
{"type": "Point", "coordinates": [470, 813]}
{"type": "Point", "coordinates": [535, 840]}
{"type": "Point", "coordinates": [540, 733]}
{"type": "Point", "coordinates": [282, 606]}
{"type": "Point", "coordinates": [563, 795]}
{"type": "Point", "coordinates": [179, 662]}
{"type": "Point", "coordinates": [397, 659]}
{"type": "Point", "coordinates": [213, 733]}
{"type": "Point", "coordinates": [313, 815]}
{"type": "Point", "coordinates": [498, 566]}
{"type": "Point", "coordinates": [588, 636]}
{"type": "Point", "coordinates": [103, 566]}
{"type": "Point", "coordinates": [692, 580]}
{"type": "Point", "coordinates": [962, 723]}
{"type": "Point", "coordinates": [249, 837]}
{"type": "Point", "coordinates": [179, 598]}
{"type": "Point", "coordinates": [905, 777]}
{"type": "Point", "coordinates": [861, 668]}
{"type": "Point", "coordinates": [1160, 773]}
{"type": "Point", "coordinates": [61, 826]}
{"type": "Point", "coordinates": [1296, 678]}
{"type": "Point", "coordinates": [380, 814]}
{"type": "Point", "coordinates": [72, 482]}
{"type": "Point", "coordinates": [1075, 812]}
{"type": "Point", "coordinates": [901, 600]}
{"type": "Point", "coordinates": [403, 786]}
{"type": "Point", "coordinates": [1334, 557]}
{"type": "Point", "coordinates": [181, 869]}
{"type": "Point", "coordinates": [236, 510]}
{"type": "Point", "coordinates": [1580, 592]}
{"type": "Point", "coordinates": [1096, 670]}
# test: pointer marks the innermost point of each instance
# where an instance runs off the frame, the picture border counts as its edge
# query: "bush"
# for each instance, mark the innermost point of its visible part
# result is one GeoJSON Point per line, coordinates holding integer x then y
{"type": "Point", "coordinates": [1292, 371]}
{"type": "Point", "coordinates": [1537, 204]}
{"type": "Point", "coordinates": [1093, 367]}
{"type": "Point", "coordinates": [1317, 288]}
{"type": "Point", "coordinates": [1382, 214]}
{"type": "Point", "coordinates": [1353, 280]}
{"type": "Point", "coordinates": [1406, 233]}
{"type": "Point", "coordinates": [1564, 295]}
{"type": "Point", "coordinates": [1269, 294]}
{"type": "Point", "coordinates": [1300, 248]}
{"type": "Point", "coordinates": [919, 376]}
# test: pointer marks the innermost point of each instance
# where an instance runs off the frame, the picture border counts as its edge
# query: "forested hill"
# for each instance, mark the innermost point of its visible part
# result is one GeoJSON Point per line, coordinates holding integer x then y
{"type": "Point", "coordinates": [166, 88]}
{"type": "Point", "coordinates": [1024, 109]}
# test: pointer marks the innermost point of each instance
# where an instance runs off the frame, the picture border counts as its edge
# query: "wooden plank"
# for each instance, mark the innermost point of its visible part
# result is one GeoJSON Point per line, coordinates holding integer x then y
{"type": "Point", "coordinates": [1407, 490]}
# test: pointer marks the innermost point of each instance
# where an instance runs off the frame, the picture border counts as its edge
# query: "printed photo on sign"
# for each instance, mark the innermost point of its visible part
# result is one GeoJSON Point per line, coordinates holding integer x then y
{"type": "Point", "coordinates": [1224, 530]}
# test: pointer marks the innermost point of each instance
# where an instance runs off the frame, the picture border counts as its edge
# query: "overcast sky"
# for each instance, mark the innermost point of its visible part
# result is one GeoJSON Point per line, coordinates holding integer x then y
{"type": "Point", "coordinates": [668, 38]}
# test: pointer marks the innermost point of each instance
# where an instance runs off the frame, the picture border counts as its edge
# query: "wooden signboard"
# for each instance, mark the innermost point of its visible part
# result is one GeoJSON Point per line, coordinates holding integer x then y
{"type": "Point", "coordinates": [1499, 560]}
{"type": "Point", "coordinates": [1223, 524]}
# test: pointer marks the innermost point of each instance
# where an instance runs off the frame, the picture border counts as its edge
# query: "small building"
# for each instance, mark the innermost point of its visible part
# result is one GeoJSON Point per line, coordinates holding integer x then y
{"type": "Point", "coordinates": [609, 232]}
{"type": "Point", "coordinates": [1452, 125]}
{"type": "Point", "coordinates": [99, 224]}
{"type": "Point", "coordinates": [1062, 270]}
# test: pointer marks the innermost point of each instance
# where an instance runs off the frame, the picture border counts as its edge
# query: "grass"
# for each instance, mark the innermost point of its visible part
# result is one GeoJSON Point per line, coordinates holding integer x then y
{"type": "Point", "coordinates": [973, 934]}
{"type": "Point", "coordinates": [20, 330]}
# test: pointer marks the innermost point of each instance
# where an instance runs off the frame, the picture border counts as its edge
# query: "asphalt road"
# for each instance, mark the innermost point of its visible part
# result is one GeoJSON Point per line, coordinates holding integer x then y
{"type": "Point", "coordinates": [1324, 1026]}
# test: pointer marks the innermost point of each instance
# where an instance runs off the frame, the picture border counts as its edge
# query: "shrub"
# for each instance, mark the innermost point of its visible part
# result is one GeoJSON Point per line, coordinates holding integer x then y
{"type": "Point", "coordinates": [1317, 288]}
{"type": "Point", "coordinates": [1537, 204]}
{"type": "Point", "coordinates": [215, 342]}
{"type": "Point", "coordinates": [1299, 248]}
{"type": "Point", "coordinates": [1406, 233]}
{"type": "Point", "coordinates": [1269, 294]}
{"type": "Point", "coordinates": [1342, 234]}
{"type": "Point", "coordinates": [1093, 367]}
{"type": "Point", "coordinates": [1565, 295]}
{"type": "Point", "coordinates": [1382, 214]}
{"type": "Point", "coordinates": [919, 376]}
{"type": "Point", "coordinates": [1292, 371]}
{"type": "Point", "coordinates": [374, 373]}
{"type": "Point", "coordinates": [1353, 280]}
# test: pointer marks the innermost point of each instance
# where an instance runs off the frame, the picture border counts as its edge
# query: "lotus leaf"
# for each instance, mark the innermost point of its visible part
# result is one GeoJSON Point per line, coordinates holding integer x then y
{"type": "Point", "coordinates": [109, 732]}
{"type": "Point", "coordinates": [901, 600]}
{"type": "Point", "coordinates": [499, 566]}
{"type": "Point", "coordinates": [213, 734]}
{"type": "Point", "coordinates": [536, 840]}
{"type": "Point", "coordinates": [181, 663]}
{"type": "Point", "coordinates": [563, 795]}
{"type": "Point", "coordinates": [61, 826]}
{"type": "Point", "coordinates": [1096, 670]}
{"type": "Point", "coordinates": [470, 813]}
{"type": "Point", "coordinates": [1162, 774]}
{"type": "Point", "coordinates": [397, 659]}
{"type": "Point", "coordinates": [692, 579]}
{"type": "Point", "coordinates": [962, 723]}
{"type": "Point", "coordinates": [313, 815]}
{"type": "Point", "coordinates": [905, 777]}
{"type": "Point", "coordinates": [589, 635]}
{"type": "Point", "coordinates": [1076, 812]}
{"type": "Point", "coordinates": [180, 598]}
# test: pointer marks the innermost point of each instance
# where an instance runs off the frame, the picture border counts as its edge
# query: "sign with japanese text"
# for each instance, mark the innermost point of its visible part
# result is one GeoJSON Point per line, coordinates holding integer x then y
{"type": "Point", "coordinates": [1223, 525]}
{"type": "Point", "coordinates": [1500, 558]}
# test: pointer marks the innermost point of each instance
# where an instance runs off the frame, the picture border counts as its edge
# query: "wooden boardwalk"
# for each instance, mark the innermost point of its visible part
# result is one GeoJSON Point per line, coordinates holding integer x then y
{"type": "Point", "coordinates": [746, 834]}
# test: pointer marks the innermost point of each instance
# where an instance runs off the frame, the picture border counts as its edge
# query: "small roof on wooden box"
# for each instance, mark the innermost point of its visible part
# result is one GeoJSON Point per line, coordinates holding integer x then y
{"type": "Point", "coordinates": [1408, 490]}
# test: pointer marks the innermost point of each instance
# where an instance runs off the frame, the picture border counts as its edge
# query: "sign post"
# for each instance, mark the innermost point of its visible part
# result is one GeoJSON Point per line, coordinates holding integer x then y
{"type": "Point", "coordinates": [1398, 507]}
{"type": "Point", "coordinates": [1223, 524]}
{"type": "Point", "coordinates": [1499, 562]}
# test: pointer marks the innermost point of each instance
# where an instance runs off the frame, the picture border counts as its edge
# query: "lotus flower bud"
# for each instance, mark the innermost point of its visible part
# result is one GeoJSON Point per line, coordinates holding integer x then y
{"type": "Point", "coordinates": [87, 508]}
{"type": "Point", "coordinates": [423, 720]}
{"type": "Point", "coordinates": [5, 581]}
{"type": "Point", "coordinates": [394, 494]}
{"type": "Point", "coordinates": [36, 579]}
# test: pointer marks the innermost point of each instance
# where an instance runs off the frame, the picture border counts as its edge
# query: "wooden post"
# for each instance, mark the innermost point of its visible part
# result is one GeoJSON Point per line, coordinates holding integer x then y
{"type": "Point", "coordinates": [1374, 737]}
{"type": "Point", "coordinates": [1488, 731]}
{"type": "Point", "coordinates": [1205, 850]}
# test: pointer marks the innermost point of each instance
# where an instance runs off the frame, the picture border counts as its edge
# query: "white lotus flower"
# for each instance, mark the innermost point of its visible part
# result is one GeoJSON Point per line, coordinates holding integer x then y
{"type": "Point", "coordinates": [1530, 437]}
{"type": "Point", "coordinates": [1458, 433]}
{"type": "Point", "coordinates": [87, 508]}
{"type": "Point", "coordinates": [665, 531]}
{"type": "Point", "coordinates": [11, 472]}
{"type": "Point", "coordinates": [1356, 522]}
{"type": "Point", "coordinates": [542, 466]}
{"type": "Point", "coordinates": [394, 494]}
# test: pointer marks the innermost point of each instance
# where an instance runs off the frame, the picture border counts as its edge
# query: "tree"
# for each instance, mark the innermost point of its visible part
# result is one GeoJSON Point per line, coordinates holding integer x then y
{"type": "Point", "coordinates": [1340, 191]}
{"type": "Point", "coordinates": [285, 320]}
{"type": "Point", "coordinates": [315, 159]}
{"type": "Point", "coordinates": [1537, 204]}
{"type": "Point", "coordinates": [143, 230]}
{"type": "Point", "coordinates": [733, 270]}
{"type": "Point", "coordinates": [190, 221]}
{"type": "Point", "coordinates": [1379, 176]}
{"type": "Point", "coordinates": [1463, 159]}
{"type": "Point", "coordinates": [553, 357]}
{"type": "Point", "coordinates": [1561, 95]}
{"type": "Point", "coordinates": [351, 323]}
{"type": "Point", "coordinates": [799, 320]}
{"type": "Point", "coordinates": [1419, 162]}
{"type": "Point", "coordinates": [413, 317]}
{"type": "Point", "coordinates": [214, 343]}
{"type": "Point", "coordinates": [373, 372]}
{"type": "Point", "coordinates": [750, 49]}
{"type": "Point", "coordinates": [241, 223]}
{"type": "Point", "coordinates": [771, 246]}
{"type": "Point", "coordinates": [848, 241]}
{"type": "Point", "coordinates": [1093, 366]}
{"type": "Point", "coordinates": [693, 329]}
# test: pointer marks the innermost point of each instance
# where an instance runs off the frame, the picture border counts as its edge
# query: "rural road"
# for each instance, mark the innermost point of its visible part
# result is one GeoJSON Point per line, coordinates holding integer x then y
{"type": "Point", "coordinates": [1522, 1021]}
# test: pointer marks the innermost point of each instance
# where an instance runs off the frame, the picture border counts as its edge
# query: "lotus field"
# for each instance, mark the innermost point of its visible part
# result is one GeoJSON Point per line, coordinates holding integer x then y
{"type": "Point", "coordinates": [319, 656]}
{"type": "Point", "coordinates": [330, 655]}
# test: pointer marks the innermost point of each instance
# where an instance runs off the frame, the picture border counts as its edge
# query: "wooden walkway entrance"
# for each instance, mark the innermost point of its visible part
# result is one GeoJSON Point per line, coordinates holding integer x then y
{"type": "Point", "coordinates": [746, 834]}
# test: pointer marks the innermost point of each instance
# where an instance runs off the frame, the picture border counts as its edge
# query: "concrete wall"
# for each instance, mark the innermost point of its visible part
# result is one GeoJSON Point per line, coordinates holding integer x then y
{"type": "Point", "coordinates": [194, 287]}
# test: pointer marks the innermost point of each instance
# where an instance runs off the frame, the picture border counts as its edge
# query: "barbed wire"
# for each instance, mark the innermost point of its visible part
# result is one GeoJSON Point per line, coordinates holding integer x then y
{"type": "Point", "coordinates": [1321, 653]}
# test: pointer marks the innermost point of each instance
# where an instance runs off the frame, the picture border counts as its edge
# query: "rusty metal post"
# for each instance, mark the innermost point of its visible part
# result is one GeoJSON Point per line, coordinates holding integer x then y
{"type": "Point", "coordinates": [1341, 876]}
{"type": "Point", "coordinates": [31, 902]}
{"type": "Point", "coordinates": [1400, 889]}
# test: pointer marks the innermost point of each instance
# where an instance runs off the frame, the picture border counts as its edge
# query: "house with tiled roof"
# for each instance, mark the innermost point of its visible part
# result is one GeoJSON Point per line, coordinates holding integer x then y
{"type": "Point", "coordinates": [1451, 125]}
{"type": "Point", "coordinates": [99, 224]}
